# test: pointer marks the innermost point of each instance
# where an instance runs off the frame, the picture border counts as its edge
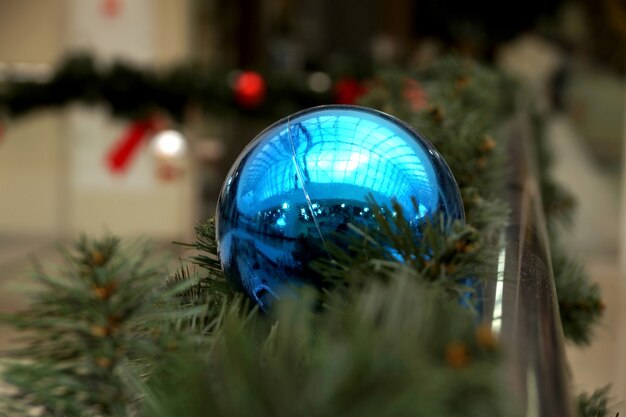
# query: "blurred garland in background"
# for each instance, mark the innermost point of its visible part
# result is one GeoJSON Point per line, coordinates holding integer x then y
{"type": "Point", "coordinates": [106, 325]}
{"type": "Point", "coordinates": [133, 92]}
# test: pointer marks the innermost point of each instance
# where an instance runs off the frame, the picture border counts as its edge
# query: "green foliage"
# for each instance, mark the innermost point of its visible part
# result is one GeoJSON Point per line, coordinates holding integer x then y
{"type": "Point", "coordinates": [211, 286]}
{"type": "Point", "coordinates": [395, 348]}
{"type": "Point", "coordinates": [594, 405]}
{"type": "Point", "coordinates": [580, 301]}
{"type": "Point", "coordinates": [95, 320]}
{"type": "Point", "coordinates": [464, 105]}
{"type": "Point", "coordinates": [444, 254]}
{"type": "Point", "coordinates": [134, 92]}
{"type": "Point", "coordinates": [206, 258]}
{"type": "Point", "coordinates": [389, 334]}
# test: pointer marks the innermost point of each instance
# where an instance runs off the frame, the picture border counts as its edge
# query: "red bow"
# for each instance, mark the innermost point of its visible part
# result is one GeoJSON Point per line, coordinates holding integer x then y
{"type": "Point", "coordinates": [122, 152]}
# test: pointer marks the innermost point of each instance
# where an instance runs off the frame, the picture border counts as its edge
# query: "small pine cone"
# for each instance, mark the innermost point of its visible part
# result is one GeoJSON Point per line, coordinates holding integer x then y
{"type": "Point", "coordinates": [460, 246]}
{"type": "Point", "coordinates": [437, 113]}
{"type": "Point", "coordinates": [97, 258]}
{"type": "Point", "coordinates": [488, 144]}
{"type": "Point", "coordinates": [462, 82]}
{"type": "Point", "coordinates": [457, 355]}
{"type": "Point", "coordinates": [105, 292]}
{"type": "Point", "coordinates": [104, 363]}
{"type": "Point", "coordinates": [464, 247]}
{"type": "Point", "coordinates": [99, 331]}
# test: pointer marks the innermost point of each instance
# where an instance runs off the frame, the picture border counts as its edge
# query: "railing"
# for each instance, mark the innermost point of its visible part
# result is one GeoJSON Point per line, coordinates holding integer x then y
{"type": "Point", "coordinates": [524, 309]}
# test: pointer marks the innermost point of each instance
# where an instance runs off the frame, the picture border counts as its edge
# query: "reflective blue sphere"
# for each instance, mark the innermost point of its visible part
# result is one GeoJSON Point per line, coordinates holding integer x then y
{"type": "Point", "coordinates": [306, 177]}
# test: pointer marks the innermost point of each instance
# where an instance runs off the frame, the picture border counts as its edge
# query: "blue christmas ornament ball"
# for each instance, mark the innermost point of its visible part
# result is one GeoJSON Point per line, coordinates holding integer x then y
{"type": "Point", "coordinates": [307, 177]}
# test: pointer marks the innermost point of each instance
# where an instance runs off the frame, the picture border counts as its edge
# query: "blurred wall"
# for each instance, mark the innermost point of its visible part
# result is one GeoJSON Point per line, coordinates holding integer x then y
{"type": "Point", "coordinates": [31, 152]}
{"type": "Point", "coordinates": [53, 179]}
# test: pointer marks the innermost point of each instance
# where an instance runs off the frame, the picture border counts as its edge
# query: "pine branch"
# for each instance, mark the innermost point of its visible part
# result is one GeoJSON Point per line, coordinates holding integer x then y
{"type": "Point", "coordinates": [594, 405]}
{"type": "Point", "coordinates": [95, 319]}
{"type": "Point", "coordinates": [580, 302]}
{"type": "Point", "coordinates": [465, 104]}
{"type": "Point", "coordinates": [442, 253]}
{"type": "Point", "coordinates": [206, 245]}
{"type": "Point", "coordinates": [367, 357]}
{"type": "Point", "coordinates": [213, 284]}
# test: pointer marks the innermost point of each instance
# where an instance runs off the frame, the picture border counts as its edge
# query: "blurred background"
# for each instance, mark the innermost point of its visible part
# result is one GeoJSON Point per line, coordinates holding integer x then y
{"type": "Point", "coordinates": [80, 168]}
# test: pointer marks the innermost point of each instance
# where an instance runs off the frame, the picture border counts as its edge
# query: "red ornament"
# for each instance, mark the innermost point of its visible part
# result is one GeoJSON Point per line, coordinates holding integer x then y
{"type": "Point", "coordinates": [415, 94]}
{"type": "Point", "coordinates": [249, 89]}
{"type": "Point", "coordinates": [111, 8]}
{"type": "Point", "coordinates": [348, 90]}
{"type": "Point", "coordinates": [122, 152]}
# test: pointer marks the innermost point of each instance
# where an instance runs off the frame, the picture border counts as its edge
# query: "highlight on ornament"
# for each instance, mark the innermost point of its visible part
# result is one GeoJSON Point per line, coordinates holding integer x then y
{"type": "Point", "coordinates": [304, 179]}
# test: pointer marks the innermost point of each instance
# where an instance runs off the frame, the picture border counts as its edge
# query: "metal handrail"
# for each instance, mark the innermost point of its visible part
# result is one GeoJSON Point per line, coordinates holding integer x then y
{"type": "Point", "coordinates": [524, 305]}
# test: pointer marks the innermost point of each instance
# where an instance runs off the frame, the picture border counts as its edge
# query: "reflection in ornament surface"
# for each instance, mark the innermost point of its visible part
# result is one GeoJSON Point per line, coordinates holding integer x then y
{"type": "Point", "coordinates": [308, 176]}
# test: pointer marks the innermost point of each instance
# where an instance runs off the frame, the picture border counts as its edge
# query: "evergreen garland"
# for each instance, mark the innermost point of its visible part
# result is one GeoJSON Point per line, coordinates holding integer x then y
{"type": "Point", "coordinates": [80, 79]}
{"type": "Point", "coordinates": [388, 336]}
{"type": "Point", "coordinates": [395, 348]}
